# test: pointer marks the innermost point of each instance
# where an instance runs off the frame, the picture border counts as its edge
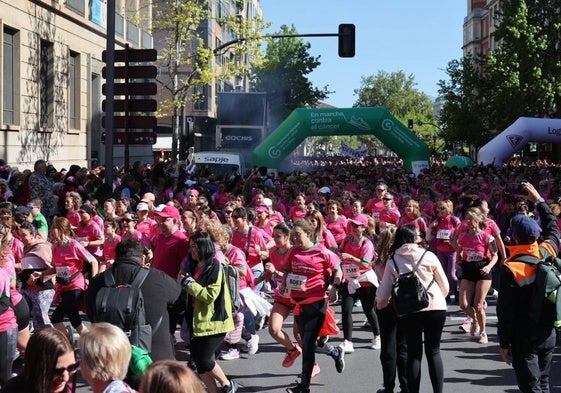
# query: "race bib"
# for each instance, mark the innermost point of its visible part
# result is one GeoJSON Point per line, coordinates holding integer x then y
{"type": "Point", "coordinates": [296, 282]}
{"type": "Point", "coordinates": [376, 216]}
{"type": "Point", "coordinates": [350, 270]}
{"type": "Point", "coordinates": [472, 256]}
{"type": "Point", "coordinates": [444, 234]}
{"type": "Point", "coordinates": [63, 272]}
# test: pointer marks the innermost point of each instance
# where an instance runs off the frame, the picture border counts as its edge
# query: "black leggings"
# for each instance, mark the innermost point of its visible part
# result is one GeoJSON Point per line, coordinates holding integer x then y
{"type": "Point", "coordinates": [428, 324]}
{"type": "Point", "coordinates": [393, 354]}
{"type": "Point", "coordinates": [367, 296]}
{"type": "Point", "coordinates": [68, 306]}
{"type": "Point", "coordinates": [7, 348]}
{"type": "Point", "coordinates": [309, 322]}
{"type": "Point", "coordinates": [203, 349]}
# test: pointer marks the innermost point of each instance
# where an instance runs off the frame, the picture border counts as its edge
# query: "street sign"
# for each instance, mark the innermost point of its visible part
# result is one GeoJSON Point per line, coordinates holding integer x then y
{"type": "Point", "coordinates": [134, 89]}
{"type": "Point", "coordinates": [133, 55]}
{"type": "Point", "coordinates": [133, 105]}
{"type": "Point", "coordinates": [133, 138]}
{"type": "Point", "coordinates": [132, 122]}
{"type": "Point", "coordinates": [133, 72]}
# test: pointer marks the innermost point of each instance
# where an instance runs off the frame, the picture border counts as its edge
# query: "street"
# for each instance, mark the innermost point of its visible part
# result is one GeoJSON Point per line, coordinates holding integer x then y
{"type": "Point", "coordinates": [469, 366]}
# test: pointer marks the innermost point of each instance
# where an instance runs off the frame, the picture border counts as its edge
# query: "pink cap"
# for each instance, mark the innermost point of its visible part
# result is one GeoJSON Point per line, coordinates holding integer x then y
{"type": "Point", "coordinates": [361, 219]}
{"type": "Point", "coordinates": [167, 212]}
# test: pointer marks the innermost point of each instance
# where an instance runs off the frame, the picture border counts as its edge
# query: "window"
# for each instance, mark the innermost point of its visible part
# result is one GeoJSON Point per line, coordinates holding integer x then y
{"type": "Point", "coordinates": [46, 85]}
{"type": "Point", "coordinates": [119, 25]}
{"type": "Point", "coordinates": [9, 76]}
{"type": "Point", "coordinates": [74, 91]}
{"type": "Point", "coordinates": [78, 6]}
{"type": "Point", "coordinates": [202, 98]}
{"type": "Point", "coordinates": [132, 32]}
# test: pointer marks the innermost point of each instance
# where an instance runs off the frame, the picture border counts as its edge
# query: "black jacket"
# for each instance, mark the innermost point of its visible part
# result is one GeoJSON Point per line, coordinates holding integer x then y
{"type": "Point", "coordinates": [159, 290]}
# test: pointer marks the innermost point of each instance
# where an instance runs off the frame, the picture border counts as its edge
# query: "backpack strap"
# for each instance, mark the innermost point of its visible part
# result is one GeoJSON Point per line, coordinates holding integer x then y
{"type": "Point", "coordinates": [108, 278]}
{"type": "Point", "coordinates": [419, 262]}
{"type": "Point", "coordinates": [140, 277]}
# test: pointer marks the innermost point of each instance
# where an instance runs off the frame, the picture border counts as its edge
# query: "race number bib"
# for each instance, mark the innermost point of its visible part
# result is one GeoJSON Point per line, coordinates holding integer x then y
{"type": "Point", "coordinates": [350, 270]}
{"type": "Point", "coordinates": [376, 216]}
{"type": "Point", "coordinates": [472, 256]}
{"type": "Point", "coordinates": [63, 272]}
{"type": "Point", "coordinates": [296, 282]}
{"type": "Point", "coordinates": [444, 234]}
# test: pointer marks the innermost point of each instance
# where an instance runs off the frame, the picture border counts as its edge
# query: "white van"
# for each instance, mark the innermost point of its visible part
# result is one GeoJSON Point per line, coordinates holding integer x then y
{"type": "Point", "coordinates": [218, 162]}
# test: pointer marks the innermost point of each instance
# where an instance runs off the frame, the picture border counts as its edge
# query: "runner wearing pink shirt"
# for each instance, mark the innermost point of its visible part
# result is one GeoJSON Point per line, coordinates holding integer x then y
{"type": "Point", "coordinates": [299, 210]}
{"type": "Point", "coordinates": [8, 323]}
{"type": "Point", "coordinates": [88, 233]}
{"type": "Point", "coordinates": [390, 214]}
{"type": "Point", "coordinates": [110, 226]}
{"type": "Point", "coordinates": [335, 222]}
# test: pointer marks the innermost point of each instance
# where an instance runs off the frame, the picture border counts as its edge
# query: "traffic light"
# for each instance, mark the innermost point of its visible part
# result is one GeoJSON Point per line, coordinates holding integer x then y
{"type": "Point", "coordinates": [410, 124]}
{"type": "Point", "coordinates": [133, 92]}
{"type": "Point", "coordinates": [346, 40]}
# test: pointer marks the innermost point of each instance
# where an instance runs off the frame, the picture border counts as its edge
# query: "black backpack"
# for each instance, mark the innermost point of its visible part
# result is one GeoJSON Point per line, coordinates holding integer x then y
{"type": "Point", "coordinates": [123, 305]}
{"type": "Point", "coordinates": [409, 295]}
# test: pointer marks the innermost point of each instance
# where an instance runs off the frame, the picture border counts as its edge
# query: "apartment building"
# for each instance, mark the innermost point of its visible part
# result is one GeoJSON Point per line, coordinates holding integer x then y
{"type": "Point", "coordinates": [479, 26]}
{"type": "Point", "coordinates": [51, 77]}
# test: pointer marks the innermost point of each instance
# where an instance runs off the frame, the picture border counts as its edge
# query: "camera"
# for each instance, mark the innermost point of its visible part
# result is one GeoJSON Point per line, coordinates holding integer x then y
{"type": "Point", "coordinates": [514, 188]}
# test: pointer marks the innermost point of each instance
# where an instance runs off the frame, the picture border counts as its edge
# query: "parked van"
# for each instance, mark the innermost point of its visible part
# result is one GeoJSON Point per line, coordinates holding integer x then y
{"type": "Point", "coordinates": [218, 162]}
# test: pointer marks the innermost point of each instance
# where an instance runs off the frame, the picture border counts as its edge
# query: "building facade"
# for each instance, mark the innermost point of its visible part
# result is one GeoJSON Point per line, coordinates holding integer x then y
{"type": "Point", "coordinates": [51, 77]}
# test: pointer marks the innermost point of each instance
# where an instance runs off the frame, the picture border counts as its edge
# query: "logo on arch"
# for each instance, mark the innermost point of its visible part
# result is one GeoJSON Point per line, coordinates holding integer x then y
{"type": "Point", "coordinates": [514, 139]}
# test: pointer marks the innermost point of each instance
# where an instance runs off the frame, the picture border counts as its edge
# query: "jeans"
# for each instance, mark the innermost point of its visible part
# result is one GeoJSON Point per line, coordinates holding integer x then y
{"type": "Point", "coordinates": [427, 325]}
{"type": "Point", "coordinates": [393, 354]}
{"type": "Point", "coordinates": [531, 362]}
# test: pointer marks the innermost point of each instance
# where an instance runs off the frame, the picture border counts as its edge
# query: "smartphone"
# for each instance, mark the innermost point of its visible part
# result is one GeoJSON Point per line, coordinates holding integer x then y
{"type": "Point", "coordinates": [514, 188]}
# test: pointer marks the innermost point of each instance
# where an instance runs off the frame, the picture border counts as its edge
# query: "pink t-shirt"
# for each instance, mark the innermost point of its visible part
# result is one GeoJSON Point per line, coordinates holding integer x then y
{"type": "Point", "coordinates": [296, 213]}
{"type": "Point", "coordinates": [90, 231]}
{"type": "Point", "coordinates": [8, 317]}
{"type": "Point", "coordinates": [148, 227]}
{"type": "Point", "coordinates": [475, 247]}
{"type": "Point", "coordinates": [109, 248]}
{"type": "Point", "coordinates": [338, 227]}
{"type": "Point", "coordinates": [237, 259]}
{"type": "Point", "coordinates": [363, 249]}
{"type": "Point", "coordinates": [69, 259]}
{"type": "Point", "coordinates": [308, 269]}
{"type": "Point", "coordinates": [241, 241]}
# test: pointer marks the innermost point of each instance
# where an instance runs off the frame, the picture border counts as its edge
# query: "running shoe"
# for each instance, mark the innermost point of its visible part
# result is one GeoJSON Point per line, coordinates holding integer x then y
{"type": "Point", "coordinates": [376, 343]}
{"type": "Point", "coordinates": [316, 370]}
{"type": "Point", "coordinates": [466, 325]}
{"type": "Point", "coordinates": [483, 338]}
{"type": "Point", "coordinates": [231, 388]}
{"type": "Point", "coordinates": [291, 356]}
{"type": "Point", "coordinates": [339, 358]}
{"type": "Point", "coordinates": [348, 346]}
{"type": "Point", "coordinates": [297, 389]}
{"type": "Point", "coordinates": [253, 344]}
{"type": "Point", "coordinates": [474, 328]}
{"type": "Point", "coordinates": [232, 354]}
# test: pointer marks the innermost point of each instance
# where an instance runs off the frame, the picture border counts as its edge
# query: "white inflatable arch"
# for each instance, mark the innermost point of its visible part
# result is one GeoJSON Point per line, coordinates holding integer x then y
{"type": "Point", "coordinates": [515, 136]}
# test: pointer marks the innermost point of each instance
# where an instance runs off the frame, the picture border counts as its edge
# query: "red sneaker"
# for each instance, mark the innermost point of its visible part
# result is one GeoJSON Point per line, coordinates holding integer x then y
{"type": "Point", "coordinates": [291, 356]}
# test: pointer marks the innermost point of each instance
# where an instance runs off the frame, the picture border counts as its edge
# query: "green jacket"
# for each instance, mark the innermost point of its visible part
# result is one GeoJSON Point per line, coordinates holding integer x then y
{"type": "Point", "coordinates": [212, 310]}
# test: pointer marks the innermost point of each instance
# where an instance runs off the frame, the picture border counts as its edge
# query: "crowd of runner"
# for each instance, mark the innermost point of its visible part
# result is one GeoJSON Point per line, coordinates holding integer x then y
{"type": "Point", "coordinates": [265, 224]}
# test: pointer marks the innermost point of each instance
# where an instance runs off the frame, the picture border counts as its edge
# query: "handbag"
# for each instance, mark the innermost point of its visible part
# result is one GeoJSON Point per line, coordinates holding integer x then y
{"type": "Point", "coordinates": [409, 295]}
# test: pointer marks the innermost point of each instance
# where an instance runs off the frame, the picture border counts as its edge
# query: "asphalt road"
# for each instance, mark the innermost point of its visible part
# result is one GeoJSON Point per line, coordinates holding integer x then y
{"type": "Point", "coordinates": [469, 366]}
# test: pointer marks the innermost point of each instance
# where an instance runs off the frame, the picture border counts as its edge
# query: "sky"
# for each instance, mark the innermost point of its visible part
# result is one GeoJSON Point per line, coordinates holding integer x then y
{"type": "Point", "coordinates": [416, 37]}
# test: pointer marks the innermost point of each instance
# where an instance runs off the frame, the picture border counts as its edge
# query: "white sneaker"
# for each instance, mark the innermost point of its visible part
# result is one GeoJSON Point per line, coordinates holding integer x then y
{"type": "Point", "coordinates": [232, 354]}
{"type": "Point", "coordinates": [253, 344]}
{"type": "Point", "coordinates": [376, 343]}
{"type": "Point", "coordinates": [348, 346]}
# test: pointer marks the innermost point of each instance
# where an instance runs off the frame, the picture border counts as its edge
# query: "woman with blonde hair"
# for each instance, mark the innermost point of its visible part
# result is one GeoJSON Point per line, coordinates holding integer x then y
{"type": "Point", "coordinates": [72, 203]}
{"type": "Point", "coordinates": [170, 376]}
{"type": "Point", "coordinates": [105, 353]}
{"type": "Point", "coordinates": [412, 215]}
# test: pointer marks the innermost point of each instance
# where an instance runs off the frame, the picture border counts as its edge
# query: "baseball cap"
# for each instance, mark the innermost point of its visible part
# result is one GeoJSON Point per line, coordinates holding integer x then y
{"type": "Point", "coordinates": [267, 202]}
{"type": "Point", "coordinates": [262, 209]}
{"type": "Point", "coordinates": [167, 212]}
{"type": "Point", "coordinates": [524, 228]}
{"type": "Point", "coordinates": [360, 219]}
{"type": "Point", "coordinates": [142, 206]}
{"type": "Point", "coordinates": [324, 190]}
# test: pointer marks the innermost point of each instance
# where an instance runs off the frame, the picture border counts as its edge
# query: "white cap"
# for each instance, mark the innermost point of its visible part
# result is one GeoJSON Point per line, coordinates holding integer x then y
{"type": "Point", "coordinates": [324, 190]}
{"type": "Point", "coordinates": [267, 202]}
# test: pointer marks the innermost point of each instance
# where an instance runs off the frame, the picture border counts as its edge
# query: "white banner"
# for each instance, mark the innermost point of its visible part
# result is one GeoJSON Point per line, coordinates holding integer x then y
{"type": "Point", "coordinates": [348, 151]}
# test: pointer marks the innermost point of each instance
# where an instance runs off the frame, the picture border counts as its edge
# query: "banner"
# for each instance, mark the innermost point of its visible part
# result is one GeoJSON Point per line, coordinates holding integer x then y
{"type": "Point", "coordinates": [348, 151]}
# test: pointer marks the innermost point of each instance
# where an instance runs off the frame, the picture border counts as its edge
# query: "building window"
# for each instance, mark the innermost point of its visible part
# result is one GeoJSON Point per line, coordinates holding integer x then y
{"type": "Point", "coordinates": [119, 25]}
{"type": "Point", "coordinates": [46, 85]}
{"type": "Point", "coordinates": [9, 76]}
{"type": "Point", "coordinates": [78, 6]}
{"type": "Point", "coordinates": [132, 32]}
{"type": "Point", "coordinates": [201, 93]}
{"type": "Point", "coordinates": [74, 91]}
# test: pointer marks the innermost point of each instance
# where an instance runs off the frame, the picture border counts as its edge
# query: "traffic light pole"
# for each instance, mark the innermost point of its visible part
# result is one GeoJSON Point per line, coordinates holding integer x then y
{"type": "Point", "coordinates": [110, 96]}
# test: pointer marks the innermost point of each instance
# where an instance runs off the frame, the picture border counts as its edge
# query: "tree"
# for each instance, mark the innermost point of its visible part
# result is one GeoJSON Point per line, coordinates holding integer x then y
{"type": "Point", "coordinates": [397, 93]}
{"type": "Point", "coordinates": [282, 74]}
{"type": "Point", "coordinates": [519, 78]}
{"type": "Point", "coordinates": [187, 61]}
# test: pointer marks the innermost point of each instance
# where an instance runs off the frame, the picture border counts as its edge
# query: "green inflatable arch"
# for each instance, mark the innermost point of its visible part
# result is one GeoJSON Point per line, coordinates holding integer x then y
{"type": "Point", "coordinates": [375, 121]}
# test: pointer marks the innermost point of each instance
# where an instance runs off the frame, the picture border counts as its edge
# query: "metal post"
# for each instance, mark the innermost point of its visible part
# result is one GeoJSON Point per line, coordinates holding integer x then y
{"type": "Point", "coordinates": [110, 90]}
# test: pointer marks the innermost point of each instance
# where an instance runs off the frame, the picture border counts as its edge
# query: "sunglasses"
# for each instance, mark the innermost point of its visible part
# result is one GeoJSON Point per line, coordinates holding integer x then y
{"type": "Point", "coordinates": [387, 199]}
{"type": "Point", "coordinates": [59, 372]}
{"type": "Point", "coordinates": [234, 217]}
{"type": "Point", "coordinates": [125, 220]}
{"type": "Point", "coordinates": [380, 189]}
{"type": "Point", "coordinates": [228, 211]}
